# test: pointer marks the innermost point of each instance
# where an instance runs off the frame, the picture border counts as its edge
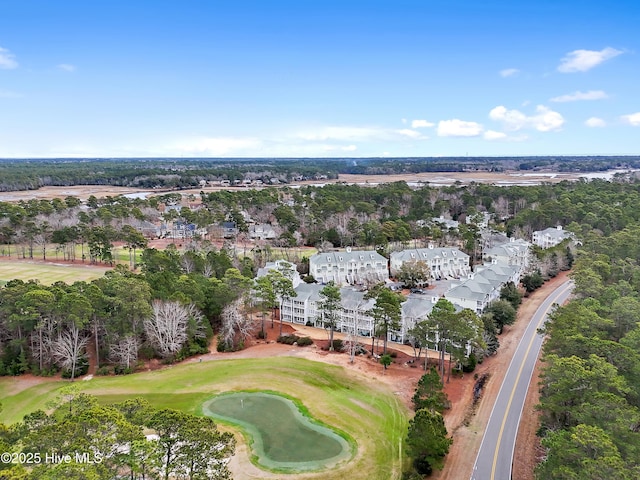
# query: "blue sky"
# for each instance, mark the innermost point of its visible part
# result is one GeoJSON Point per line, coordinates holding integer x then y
{"type": "Point", "coordinates": [307, 78]}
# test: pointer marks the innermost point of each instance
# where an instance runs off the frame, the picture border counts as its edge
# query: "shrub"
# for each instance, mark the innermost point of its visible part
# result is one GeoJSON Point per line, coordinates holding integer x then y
{"type": "Point", "coordinates": [288, 339]}
{"type": "Point", "coordinates": [470, 365]}
{"type": "Point", "coordinates": [82, 367]}
{"type": "Point", "coordinates": [422, 466]}
{"type": "Point", "coordinates": [294, 340]}
{"type": "Point", "coordinates": [262, 335]}
{"type": "Point", "coordinates": [304, 341]}
{"type": "Point", "coordinates": [103, 371]}
{"type": "Point", "coordinates": [226, 347]}
{"type": "Point", "coordinates": [121, 370]}
{"type": "Point", "coordinates": [386, 360]}
{"type": "Point", "coordinates": [146, 351]}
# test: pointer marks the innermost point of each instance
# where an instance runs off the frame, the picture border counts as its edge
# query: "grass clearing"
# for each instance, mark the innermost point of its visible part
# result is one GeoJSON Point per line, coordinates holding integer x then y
{"type": "Point", "coordinates": [48, 273]}
{"type": "Point", "coordinates": [369, 412]}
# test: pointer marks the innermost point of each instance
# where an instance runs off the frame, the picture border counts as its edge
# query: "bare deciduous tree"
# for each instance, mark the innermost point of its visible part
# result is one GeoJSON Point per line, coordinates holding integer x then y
{"type": "Point", "coordinates": [352, 344]}
{"type": "Point", "coordinates": [208, 270]}
{"type": "Point", "coordinates": [69, 347]}
{"type": "Point", "coordinates": [236, 324]}
{"type": "Point", "coordinates": [167, 329]}
{"type": "Point", "coordinates": [188, 264]}
{"type": "Point", "coordinates": [124, 352]}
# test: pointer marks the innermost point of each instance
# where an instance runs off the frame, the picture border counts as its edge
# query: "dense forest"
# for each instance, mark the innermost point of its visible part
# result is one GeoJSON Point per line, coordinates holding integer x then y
{"type": "Point", "coordinates": [85, 440]}
{"type": "Point", "coordinates": [159, 313]}
{"type": "Point", "coordinates": [177, 173]}
{"type": "Point", "coordinates": [590, 387]}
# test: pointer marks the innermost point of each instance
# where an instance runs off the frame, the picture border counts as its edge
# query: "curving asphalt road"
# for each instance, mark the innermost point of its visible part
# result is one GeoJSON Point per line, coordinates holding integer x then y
{"type": "Point", "coordinates": [495, 456]}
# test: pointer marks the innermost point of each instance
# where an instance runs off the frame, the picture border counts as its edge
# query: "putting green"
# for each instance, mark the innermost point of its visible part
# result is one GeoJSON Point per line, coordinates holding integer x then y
{"type": "Point", "coordinates": [282, 437]}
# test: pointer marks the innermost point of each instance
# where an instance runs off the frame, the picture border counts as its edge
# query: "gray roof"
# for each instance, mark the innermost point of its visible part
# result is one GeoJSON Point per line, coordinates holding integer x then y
{"type": "Point", "coordinates": [496, 273]}
{"type": "Point", "coordinates": [308, 291]}
{"type": "Point", "coordinates": [352, 299]}
{"type": "Point", "coordinates": [510, 249]}
{"type": "Point", "coordinates": [347, 256]}
{"type": "Point", "coordinates": [554, 233]}
{"type": "Point", "coordinates": [417, 307]}
{"type": "Point", "coordinates": [463, 291]}
{"type": "Point", "coordinates": [427, 254]}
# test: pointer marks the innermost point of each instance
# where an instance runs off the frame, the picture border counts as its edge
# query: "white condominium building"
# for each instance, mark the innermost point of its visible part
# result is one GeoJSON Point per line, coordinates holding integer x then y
{"type": "Point", "coordinates": [550, 237]}
{"type": "Point", "coordinates": [443, 262]}
{"type": "Point", "coordinates": [349, 267]}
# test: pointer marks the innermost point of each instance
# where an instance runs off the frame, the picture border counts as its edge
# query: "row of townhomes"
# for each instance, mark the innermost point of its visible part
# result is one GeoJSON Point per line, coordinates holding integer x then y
{"type": "Point", "coordinates": [354, 318]}
{"type": "Point", "coordinates": [444, 262]}
{"type": "Point", "coordinates": [451, 278]}
{"type": "Point", "coordinates": [352, 267]}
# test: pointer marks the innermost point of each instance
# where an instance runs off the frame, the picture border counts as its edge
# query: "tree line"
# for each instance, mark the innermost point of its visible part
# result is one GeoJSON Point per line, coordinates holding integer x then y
{"type": "Point", "coordinates": [178, 173]}
{"type": "Point", "coordinates": [168, 311]}
{"type": "Point", "coordinates": [590, 386]}
{"type": "Point", "coordinates": [84, 439]}
{"type": "Point", "coordinates": [385, 217]}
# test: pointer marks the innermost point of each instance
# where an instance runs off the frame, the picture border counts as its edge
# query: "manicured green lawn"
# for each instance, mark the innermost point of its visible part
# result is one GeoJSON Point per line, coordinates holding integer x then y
{"type": "Point", "coordinates": [47, 273]}
{"type": "Point", "coordinates": [370, 413]}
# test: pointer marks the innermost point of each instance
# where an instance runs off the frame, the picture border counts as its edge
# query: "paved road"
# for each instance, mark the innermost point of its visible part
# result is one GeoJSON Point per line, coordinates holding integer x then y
{"type": "Point", "coordinates": [495, 456]}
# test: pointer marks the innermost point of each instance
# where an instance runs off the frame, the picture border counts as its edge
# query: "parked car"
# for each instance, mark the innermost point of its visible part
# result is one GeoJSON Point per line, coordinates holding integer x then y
{"type": "Point", "coordinates": [417, 290]}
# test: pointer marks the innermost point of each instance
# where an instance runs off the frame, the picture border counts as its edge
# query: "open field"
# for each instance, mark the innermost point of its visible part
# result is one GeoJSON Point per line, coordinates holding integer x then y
{"type": "Point", "coordinates": [435, 178]}
{"type": "Point", "coordinates": [47, 273]}
{"type": "Point", "coordinates": [369, 411]}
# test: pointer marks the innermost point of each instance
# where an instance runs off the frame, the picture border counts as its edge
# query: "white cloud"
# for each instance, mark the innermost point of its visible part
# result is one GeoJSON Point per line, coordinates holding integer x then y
{"type": "Point", "coordinates": [217, 145]}
{"type": "Point", "coordinates": [493, 135]}
{"type": "Point", "coordinates": [421, 124]}
{"type": "Point", "coordinates": [67, 67]}
{"type": "Point", "coordinates": [7, 59]}
{"type": "Point", "coordinates": [583, 60]}
{"type": "Point", "coordinates": [458, 128]}
{"type": "Point", "coordinates": [512, 119]}
{"type": "Point", "coordinates": [407, 132]}
{"type": "Point", "coordinates": [595, 122]}
{"type": "Point", "coordinates": [632, 119]}
{"type": "Point", "coordinates": [509, 72]}
{"type": "Point", "coordinates": [576, 96]}
{"type": "Point", "coordinates": [544, 120]}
